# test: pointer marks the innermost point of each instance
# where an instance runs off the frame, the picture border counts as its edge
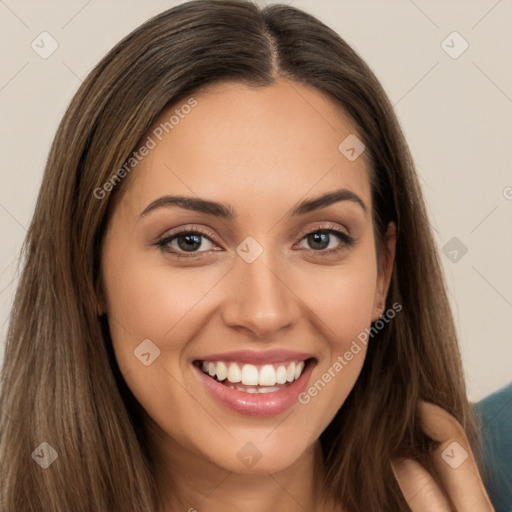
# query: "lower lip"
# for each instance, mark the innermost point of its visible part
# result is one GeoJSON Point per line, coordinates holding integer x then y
{"type": "Point", "coordinates": [257, 404]}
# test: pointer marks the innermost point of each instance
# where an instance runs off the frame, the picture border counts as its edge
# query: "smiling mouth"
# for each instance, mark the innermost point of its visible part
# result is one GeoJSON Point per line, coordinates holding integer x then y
{"type": "Point", "coordinates": [250, 378]}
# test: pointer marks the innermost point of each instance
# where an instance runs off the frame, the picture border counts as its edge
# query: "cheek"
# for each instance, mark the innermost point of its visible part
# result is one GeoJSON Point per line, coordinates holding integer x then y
{"type": "Point", "coordinates": [350, 309]}
{"type": "Point", "coordinates": [150, 311]}
{"type": "Point", "coordinates": [340, 298]}
{"type": "Point", "coordinates": [341, 303]}
{"type": "Point", "coordinates": [148, 301]}
{"type": "Point", "coordinates": [350, 299]}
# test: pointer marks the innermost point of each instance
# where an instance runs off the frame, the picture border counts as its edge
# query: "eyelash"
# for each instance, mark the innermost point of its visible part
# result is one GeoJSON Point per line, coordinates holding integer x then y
{"type": "Point", "coordinates": [346, 240]}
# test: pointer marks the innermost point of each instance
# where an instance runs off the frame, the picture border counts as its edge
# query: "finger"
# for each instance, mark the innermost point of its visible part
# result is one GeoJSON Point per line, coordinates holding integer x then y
{"type": "Point", "coordinates": [454, 460]}
{"type": "Point", "coordinates": [418, 487]}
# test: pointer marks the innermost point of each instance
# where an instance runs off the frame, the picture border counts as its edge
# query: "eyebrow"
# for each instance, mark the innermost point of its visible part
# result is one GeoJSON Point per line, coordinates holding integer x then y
{"type": "Point", "coordinates": [227, 212]}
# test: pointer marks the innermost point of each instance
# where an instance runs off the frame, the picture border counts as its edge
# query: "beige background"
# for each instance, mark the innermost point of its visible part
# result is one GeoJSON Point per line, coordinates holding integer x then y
{"type": "Point", "coordinates": [456, 114]}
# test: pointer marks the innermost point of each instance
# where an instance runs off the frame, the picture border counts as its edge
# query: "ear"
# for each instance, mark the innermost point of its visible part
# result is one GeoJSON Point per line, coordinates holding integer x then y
{"type": "Point", "coordinates": [385, 269]}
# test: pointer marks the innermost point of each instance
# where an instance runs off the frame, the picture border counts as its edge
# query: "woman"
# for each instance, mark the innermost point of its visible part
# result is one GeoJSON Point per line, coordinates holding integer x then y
{"type": "Point", "coordinates": [180, 341]}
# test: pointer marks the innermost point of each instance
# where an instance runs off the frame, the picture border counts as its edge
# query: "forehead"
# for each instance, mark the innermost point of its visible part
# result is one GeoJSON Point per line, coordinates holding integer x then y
{"type": "Point", "coordinates": [250, 146]}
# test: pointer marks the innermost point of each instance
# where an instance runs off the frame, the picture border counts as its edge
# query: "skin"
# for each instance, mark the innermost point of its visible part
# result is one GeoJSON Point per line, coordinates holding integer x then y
{"type": "Point", "coordinates": [455, 467]}
{"type": "Point", "coordinates": [230, 148]}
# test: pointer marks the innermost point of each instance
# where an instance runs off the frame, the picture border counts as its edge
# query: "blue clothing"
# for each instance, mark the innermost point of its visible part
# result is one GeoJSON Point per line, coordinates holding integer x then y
{"type": "Point", "coordinates": [495, 413]}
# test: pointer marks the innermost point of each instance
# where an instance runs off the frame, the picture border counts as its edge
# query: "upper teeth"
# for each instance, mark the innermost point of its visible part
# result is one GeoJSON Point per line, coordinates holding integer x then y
{"type": "Point", "coordinates": [251, 375]}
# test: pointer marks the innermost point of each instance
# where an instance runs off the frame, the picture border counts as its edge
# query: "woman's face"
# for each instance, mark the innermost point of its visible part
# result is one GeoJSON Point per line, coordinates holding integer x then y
{"type": "Point", "coordinates": [261, 294]}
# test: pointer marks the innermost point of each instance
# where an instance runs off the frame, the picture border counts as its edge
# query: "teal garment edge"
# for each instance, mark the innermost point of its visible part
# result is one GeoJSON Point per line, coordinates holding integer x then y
{"type": "Point", "coordinates": [495, 416]}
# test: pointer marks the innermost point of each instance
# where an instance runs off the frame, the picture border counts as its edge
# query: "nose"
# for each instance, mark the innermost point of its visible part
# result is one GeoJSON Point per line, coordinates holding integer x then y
{"type": "Point", "coordinates": [261, 301]}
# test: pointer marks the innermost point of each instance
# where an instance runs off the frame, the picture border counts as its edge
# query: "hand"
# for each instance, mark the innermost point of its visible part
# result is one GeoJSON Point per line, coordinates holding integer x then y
{"type": "Point", "coordinates": [456, 468]}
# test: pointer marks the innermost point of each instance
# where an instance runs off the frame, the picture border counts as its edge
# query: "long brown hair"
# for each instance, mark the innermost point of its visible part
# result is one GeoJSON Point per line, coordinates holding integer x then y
{"type": "Point", "coordinates": [60, 382]}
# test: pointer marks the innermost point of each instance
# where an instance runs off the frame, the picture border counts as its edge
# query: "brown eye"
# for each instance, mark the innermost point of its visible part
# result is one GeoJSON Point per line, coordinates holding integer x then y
{"type": "Point", "coordinates": [185, 241]}
{"type": "Point", "coordinates": [322, 240]}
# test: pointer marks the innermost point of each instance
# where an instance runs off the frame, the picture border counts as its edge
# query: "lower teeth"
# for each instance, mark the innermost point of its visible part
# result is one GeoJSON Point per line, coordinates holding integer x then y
{"type": "Point", "coordinates": [256, 389]}
{"type": "Point", "coordinates": [267, 389]}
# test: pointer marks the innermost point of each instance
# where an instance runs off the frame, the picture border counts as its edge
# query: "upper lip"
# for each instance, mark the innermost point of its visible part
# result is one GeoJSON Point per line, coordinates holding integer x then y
{"type": "Point", "coordinates": [258, 356]}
